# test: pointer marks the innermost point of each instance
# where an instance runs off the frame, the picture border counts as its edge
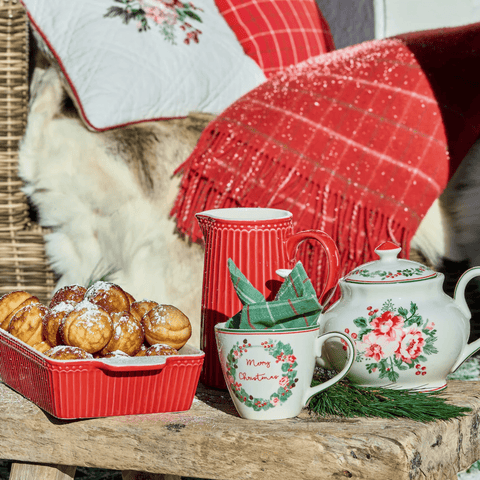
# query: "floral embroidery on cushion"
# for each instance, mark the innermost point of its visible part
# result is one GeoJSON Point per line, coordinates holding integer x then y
{"type": "Point", "coordinates": [164, 14]}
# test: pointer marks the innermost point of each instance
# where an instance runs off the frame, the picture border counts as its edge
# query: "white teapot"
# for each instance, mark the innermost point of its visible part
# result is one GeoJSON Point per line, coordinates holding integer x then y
{"type": "Point", "coordinates": [408, 333]}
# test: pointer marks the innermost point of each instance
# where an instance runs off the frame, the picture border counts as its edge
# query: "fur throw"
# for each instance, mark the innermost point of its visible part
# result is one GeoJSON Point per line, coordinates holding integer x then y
{"type": "Point", "coordinates": [106, 198]}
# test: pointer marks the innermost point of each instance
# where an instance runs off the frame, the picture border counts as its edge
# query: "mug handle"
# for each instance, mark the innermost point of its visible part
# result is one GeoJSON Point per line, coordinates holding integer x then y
{"type": "Point", "coordinates": [333, 257]}
{"type": "Point", "coordinates": [319, 341]}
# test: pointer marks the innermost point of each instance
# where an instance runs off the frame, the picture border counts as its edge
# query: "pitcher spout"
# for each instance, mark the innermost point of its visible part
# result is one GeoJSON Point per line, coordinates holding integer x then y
{"type": "Point", "coordinates": [204, 220]}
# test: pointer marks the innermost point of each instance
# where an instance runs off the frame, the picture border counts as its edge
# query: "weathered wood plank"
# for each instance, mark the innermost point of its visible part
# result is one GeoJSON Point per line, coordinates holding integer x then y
{"type": "Point", "coordinates": [28, 471]}
{"type": "Point", "coordinates": [211, 441]}
{"type": "Point", "coordinates": [129, 475]}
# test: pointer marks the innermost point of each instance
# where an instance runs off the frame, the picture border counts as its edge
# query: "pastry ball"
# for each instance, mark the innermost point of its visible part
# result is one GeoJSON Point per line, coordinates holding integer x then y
{"type": "Point", "coordinates": [109, 296]}
{"type": "Point", "coordinates": [142, 307]}
{"type": "Point", "coordinates": [167, 324]}
{"type": "Point", "coordinates": [11, 302]}
{"type": "Point", "coordinates": [131, 298]}
{"type": "Point", "coordinates": [87, 326]}
{"type": "Point", "coordinates": [69, 293]}
{"type": "Point", "coordinates": [127, 336]}
{"type": "Point", "coordinates": [66, 352]}
{"type": "Point", "coordinates": [142, 351]}
{"type": "Point", "coordinates": [115, 354]}
{"type": "Point", "coordinates": [42, 347]}
{"type": "Point", "coordinates": [27, 323]}
{"type": "Point", "coordinates": [160, 349]}
{"type": "Point", "coordinates": [52, 321]}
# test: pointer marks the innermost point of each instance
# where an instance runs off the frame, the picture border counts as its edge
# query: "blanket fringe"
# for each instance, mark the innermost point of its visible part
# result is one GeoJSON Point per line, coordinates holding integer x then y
{"type": "Point", "coordinates": [356, 227]}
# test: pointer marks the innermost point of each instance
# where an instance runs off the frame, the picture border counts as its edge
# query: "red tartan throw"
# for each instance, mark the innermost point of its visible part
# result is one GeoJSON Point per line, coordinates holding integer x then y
{"type": "Point", "coordinates": [358, 142]}
{"type": "Point", "coordinates": [278, 33]}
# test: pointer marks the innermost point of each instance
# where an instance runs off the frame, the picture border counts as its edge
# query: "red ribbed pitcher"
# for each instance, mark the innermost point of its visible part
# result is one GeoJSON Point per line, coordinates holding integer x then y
{"type": "Point", "coordinates": [260, 241]}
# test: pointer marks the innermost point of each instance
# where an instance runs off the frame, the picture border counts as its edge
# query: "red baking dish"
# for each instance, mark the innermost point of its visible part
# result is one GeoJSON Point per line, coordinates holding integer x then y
{"type": "Point", "coordinates": [72, 389]}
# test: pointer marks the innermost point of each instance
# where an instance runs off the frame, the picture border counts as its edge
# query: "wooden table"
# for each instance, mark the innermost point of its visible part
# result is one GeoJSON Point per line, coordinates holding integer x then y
{"type": "Point", "coordinates": [211, 441]}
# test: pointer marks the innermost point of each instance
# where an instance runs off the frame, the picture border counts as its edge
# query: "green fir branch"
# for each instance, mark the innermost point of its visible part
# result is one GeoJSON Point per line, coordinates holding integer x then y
{"type": "Point", "coordinates": [347, 400]}
{"type": "Point", "coordinates": [100, 274]}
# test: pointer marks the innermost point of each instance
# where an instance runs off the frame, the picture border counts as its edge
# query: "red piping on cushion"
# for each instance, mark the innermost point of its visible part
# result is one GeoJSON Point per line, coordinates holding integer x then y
{"type": "Point", "coordinates": [74, 91]}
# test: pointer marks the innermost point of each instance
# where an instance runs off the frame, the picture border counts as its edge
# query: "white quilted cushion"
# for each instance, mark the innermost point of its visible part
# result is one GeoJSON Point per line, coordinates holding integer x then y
{"type": "Point", "coordinates": [120, 75]}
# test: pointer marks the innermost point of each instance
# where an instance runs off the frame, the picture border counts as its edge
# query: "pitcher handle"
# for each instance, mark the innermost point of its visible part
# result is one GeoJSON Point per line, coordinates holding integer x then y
{"type": "Point", "coordinates": [459, 299]}
{"type": "Point", "coordinates": [319, 341]}
{"type": "Point", "coordinates": [333, 258]}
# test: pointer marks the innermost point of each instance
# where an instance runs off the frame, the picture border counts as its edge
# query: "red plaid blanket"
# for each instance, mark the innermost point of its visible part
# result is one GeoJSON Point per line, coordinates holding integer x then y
{"type": "Point", "coordinates": [278, 33]}
{"type": "Point", "coordinates": [357, 142]}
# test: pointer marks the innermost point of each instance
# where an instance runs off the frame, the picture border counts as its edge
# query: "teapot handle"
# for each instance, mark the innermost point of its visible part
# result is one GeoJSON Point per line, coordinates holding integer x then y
{"type": "Point", "coordinates": [333, 258]}
{"type": "Point", "coordinates": [459, 299]}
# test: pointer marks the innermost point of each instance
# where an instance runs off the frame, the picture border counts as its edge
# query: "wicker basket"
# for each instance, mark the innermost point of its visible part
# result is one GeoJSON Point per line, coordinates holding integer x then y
{"type": "Point", "coordinates": [23, 263]}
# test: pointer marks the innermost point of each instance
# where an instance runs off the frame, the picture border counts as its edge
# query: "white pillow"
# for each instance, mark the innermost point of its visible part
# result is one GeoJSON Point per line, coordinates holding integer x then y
{"type": "Point", "coordinates": [120, 75]}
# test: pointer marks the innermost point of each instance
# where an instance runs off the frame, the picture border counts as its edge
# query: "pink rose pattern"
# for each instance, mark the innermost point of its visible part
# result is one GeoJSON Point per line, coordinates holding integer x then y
{"type": "Point", "coordinates": [387, 325]}
{"type": "Point", "coordinates": [165, 15]}
{"type": "Point", "coordinates": [392, 340]}
{"type": "Point", "coordinates": [377, 347]}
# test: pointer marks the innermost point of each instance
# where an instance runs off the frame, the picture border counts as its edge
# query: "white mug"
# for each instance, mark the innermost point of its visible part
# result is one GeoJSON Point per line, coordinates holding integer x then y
{"type": "Point", "coordinates": [269, 372]}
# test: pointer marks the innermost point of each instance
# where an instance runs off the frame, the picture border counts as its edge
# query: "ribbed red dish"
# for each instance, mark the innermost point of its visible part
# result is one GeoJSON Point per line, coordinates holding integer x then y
{"type": "Point", "coordinates": [101, 388]}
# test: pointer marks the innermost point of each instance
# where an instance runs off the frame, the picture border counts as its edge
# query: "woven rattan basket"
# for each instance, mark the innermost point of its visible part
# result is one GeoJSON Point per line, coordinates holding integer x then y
{"type": "Point", "coordinates": [23, 263]}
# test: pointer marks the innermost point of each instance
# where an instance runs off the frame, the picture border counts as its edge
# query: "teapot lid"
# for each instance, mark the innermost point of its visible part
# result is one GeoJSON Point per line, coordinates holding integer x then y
{"type": "Point", "coordinates": [390, 268]}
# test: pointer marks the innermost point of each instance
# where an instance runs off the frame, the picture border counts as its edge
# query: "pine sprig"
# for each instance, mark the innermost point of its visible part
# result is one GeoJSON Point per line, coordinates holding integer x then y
{"type": "Point", "coordinates": [100, 274]}
{"type": "Point", "coordinates": [347, 400]}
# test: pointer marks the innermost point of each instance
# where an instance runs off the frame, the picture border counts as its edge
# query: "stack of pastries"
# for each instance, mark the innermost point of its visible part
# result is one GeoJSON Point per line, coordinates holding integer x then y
{"type": "Point", "coordinates": [100, 321]}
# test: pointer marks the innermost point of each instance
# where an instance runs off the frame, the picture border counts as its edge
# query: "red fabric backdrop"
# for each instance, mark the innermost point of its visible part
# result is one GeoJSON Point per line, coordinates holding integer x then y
{"type": "Point", "coordinates": [358, 142]}
{"type": "Point", "coordinates": [278, 33]}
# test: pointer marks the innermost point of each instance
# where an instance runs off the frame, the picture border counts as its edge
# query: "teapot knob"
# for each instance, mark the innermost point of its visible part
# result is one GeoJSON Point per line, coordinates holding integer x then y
{"type": "Point", "coordinates": [388, 251]}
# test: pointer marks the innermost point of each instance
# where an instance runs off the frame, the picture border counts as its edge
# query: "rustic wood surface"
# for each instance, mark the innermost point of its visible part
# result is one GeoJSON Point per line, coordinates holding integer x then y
{"type": "Point", "coordinates": [26, 471]}
{"type": "Point", "coordinates": [29, 471]}
{"type": "Point", "coordinates": [211, 441]}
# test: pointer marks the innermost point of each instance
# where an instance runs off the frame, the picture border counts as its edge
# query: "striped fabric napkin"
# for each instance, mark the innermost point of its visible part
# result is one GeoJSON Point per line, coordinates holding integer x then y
{"type": "Point", "coordinates": [295, 304]}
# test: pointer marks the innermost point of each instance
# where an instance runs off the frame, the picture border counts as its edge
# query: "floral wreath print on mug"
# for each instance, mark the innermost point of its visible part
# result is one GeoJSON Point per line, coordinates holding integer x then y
{"type": "Point", "coordinates": [280, 353]}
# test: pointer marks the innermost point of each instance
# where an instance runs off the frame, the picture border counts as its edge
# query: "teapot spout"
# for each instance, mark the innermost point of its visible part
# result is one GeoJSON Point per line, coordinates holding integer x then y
{"type": "Point", "coordinates": [467, 352]}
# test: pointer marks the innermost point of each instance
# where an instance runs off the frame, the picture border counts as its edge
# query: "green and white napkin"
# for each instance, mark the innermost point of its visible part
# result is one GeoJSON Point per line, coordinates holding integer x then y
{"type": "Point", "coordinates": [295, 305]}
